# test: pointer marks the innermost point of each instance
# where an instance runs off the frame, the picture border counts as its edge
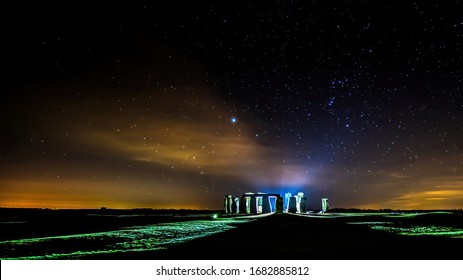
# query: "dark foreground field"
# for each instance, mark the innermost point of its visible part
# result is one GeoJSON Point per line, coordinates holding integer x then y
{"type": "Point", "coordinates": [294, 237]}
{"type": "Point", "coordinates": [177, 235]}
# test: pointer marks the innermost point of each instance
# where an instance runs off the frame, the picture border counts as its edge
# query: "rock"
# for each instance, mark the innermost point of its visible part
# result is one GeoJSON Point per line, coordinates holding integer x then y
{"type": "Point", "coordinates": [292, 205]}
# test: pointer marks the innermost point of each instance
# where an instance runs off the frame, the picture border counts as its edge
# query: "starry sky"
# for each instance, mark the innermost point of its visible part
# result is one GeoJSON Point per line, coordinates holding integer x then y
{"type": "Point", "coordinates": [176, 104]}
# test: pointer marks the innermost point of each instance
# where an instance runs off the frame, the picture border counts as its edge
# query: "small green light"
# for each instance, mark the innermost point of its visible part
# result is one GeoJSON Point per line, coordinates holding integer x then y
{"type": "Point", "coordinates": [215, 216]}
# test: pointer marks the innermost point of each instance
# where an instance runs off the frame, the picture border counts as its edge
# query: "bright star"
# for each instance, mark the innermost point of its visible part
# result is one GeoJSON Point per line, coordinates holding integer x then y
{"type": "Point", "coordinates": [233, 119]}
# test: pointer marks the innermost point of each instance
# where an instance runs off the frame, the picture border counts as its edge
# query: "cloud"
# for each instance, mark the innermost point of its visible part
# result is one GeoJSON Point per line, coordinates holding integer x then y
{"type": "Point", "coordinates": [160, 154]}
{"type": "Point", "coordinates": [441, 192]}
{"type": "Point", "coordinates": [399, 175]}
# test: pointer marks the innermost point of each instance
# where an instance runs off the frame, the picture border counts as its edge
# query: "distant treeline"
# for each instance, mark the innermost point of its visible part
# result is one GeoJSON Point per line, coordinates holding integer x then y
{"type": "Point", "coordinates": [160, 211]}
{"type": "Point", "coordinates": [111, 211]}
{"type": "Point", "coordinates": [387, 210]}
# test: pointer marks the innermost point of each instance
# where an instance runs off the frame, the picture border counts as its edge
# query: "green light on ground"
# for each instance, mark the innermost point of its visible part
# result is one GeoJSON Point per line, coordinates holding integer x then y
{"type": "Point", "coordinates": [421, 230]}
{"type": "Point", "coordinates": [132, 239]}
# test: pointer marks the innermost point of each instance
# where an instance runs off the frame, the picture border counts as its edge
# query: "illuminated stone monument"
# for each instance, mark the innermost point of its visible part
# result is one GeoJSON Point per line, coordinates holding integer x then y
{"type": "Point", "coordinates": [251, 203]}
{"type": "Point", "coordinates": [261, 203]}
{"type": "Point", "coordinates": [229, 204]}
{"type": "Point", "coordinates": [295, 204]}
{"type": "Point", "coordinates": [325, 205]}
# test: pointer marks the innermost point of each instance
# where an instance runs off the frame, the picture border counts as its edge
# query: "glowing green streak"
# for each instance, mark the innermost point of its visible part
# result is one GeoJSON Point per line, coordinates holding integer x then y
{"type": "Point", "coordinates": [133, 239]}
{"type": "Point", "coordinates": [421, 230]}
{"type": "Point", "coordinates": [367, 214]}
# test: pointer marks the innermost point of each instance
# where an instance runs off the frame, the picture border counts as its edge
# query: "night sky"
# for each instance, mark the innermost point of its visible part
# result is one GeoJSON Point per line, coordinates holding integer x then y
{"type": "Point", "coordinates": [175, 105]}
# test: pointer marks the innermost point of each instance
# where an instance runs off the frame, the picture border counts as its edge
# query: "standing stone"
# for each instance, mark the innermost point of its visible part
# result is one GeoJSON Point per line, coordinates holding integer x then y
{"type": "Point", "coordinates": [266, 204]}
{"type": "Point", "coordinates": [303, 205]}
{"type": "Point", "coordinates": [230, 204]}
{"type": "Point", "coordinates": [292, 205]}
{"type": "Point", "coordinates": [237, 208]}
{"type": "Point", "coordinates": [286, 201]}
{"type": "Point", "coordinates": [234, 207]}
{"type": "Point", "coordinates": [243, 205]}
{"type": "Point", "coordinates": [225, 204]}
{"type": "Point", "coordinates": [253, 205]}
{"type": "Point", "coordinates": [279, 205]}
{"type": "Point", "coordinates": [325, 205]}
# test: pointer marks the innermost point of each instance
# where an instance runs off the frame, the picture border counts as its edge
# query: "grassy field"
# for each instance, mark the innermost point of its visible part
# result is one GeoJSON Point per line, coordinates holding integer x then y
{"type": "Point", "coordinates": [329, 237]}
{"type": "Point", "coordinates": [192, 235]}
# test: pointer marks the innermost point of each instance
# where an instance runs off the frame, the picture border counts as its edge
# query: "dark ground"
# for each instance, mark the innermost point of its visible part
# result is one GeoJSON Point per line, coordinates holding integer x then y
{"type": "Point", "coordinates": [17, 223]}
{"type": "Point", "coordinates": [279, 236]}
{"type": "Point", "coordinates": [293, 237]}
